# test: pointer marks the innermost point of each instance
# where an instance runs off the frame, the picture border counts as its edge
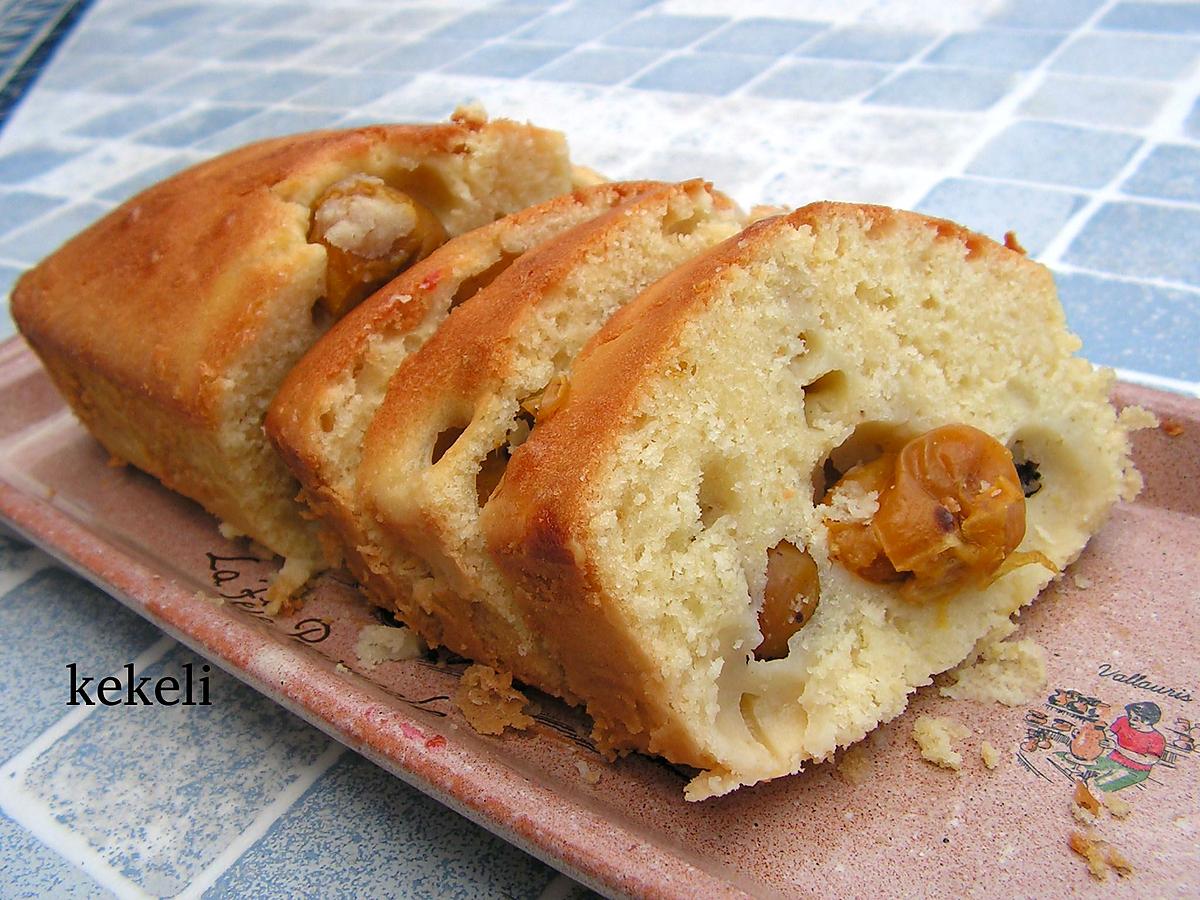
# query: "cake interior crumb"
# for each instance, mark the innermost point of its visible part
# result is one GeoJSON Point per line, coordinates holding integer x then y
{"type": "Point", "coordinates": [489, 702]}
{"type": "Point", "coordinates": [936, 736]}
{"type": "Point", "coordinates": [1008, 672]}
{"type": "Point", "coordinates": [989, 754]}
{"type": "Point", "coordinates": [382, 643]}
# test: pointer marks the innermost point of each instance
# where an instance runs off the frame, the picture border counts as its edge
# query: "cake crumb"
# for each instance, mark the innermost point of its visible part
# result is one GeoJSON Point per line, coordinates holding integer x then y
{"type": "Point", "coordinates": [990, 755]}
{"type": "Point", "coordinates": [1100, 855]}
{"type": "Point", "coordinates": [1171, 428]}
{"type": "Point", "coordinates": [1135, 418]}
{"type": "Point", "coordinates": [341, 667]}
{"type": "Point", "coordinates": [1011, 242]}
{"type": "Point", "coordinates": [935, 737]}
{"type": "Point", "coordinates": [382, 643]}
{"type": "Point", "coordinates": [489, 702]}
{"type": "Point", "coordinates": [1081, 581]}
{"type": "Point", "coordinates": [1085, 799]}
{"type": "Point", "coordinates": [1117, 807]}
{"type": "Point", "coordinates": [1089, 848]}
{"type": "Point", "coordinates": [472, 113]}
{"type": "Point", "coordinates": [1117, 860]}
{"type": "Point", "coordinates": [854, 765]}
{"type": "Point", "coordinates": [115, 462]}
{"type": "Point", "coordinates": [210, 599]}
{"type": "Point", "coordinates": [230, 532]}
{"type": "Point", "coordinates": [586, 772]}
{"type": "Point", "coordinates": [1008, 672]}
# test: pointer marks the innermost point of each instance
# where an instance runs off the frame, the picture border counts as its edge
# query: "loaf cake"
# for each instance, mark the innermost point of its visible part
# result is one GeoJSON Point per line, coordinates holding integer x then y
{"type": "Point", "coordinates": [170, 323]}
{"type": "Point", "coordinates": [455, 409]}
{"type": "Point", "coordinates": [319, 418]}
{"type": "Point", "coordinates": [796, 478]}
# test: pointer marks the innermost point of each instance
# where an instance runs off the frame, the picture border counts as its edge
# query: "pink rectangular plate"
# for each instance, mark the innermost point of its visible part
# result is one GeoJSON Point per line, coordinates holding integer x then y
{"type": "Point", "coordinates": [1120, 628]}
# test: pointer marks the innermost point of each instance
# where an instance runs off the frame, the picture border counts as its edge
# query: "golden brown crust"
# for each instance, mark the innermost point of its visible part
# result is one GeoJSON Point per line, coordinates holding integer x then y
{"type": "Point", "coordinates": [179, 312]}
{"type": "Point", "coordinates": [155, 272]}
{"type": "Point", "coordinates": [536, 520]}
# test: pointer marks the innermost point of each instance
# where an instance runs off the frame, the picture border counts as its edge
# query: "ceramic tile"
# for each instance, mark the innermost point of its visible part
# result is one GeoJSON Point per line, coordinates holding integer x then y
{"type": "Point", "coordinates": [30, 869]}
{"type": "Point", "coordinates": [762, 36]}
{"type": "Point", "coordinates": [573, 25]}
{"type": "Point", "coordinates": [67, 621]}
{"type": "Point", "coordinates": [1171, 172]}
{"type": "Point", "coordinates": [1166, 18]}
{"type": "Point", "coordinates": [993, 208]}
{"type": "Point", "coordinates": [1055, 154]}
{"type": "Point", "coordinates": [160, 825]}
{"type": "Point", "coordinates": [30, 244]}
{"type": "Point", "coordinates": [663, 31]}
{"type": "Point", "coordinates": [995, 49]}
{"type": "Point", "coordinates": [1040, 14]}
{"type": "Point", "coordinates": [825, 82]}
{"type": "Point", "coordinates": [1134, 326]}
{"type": "Point", "coordinates": [871, 43]}
{"type": "Point", "coordinates": [507, 60]}
{"type": "Point", "coordinates": [1128, 56]}
{"type": "Point", "coordinates": [418, 56]}
{"type": "Point", "coordinates": [22, 207]}
{"type": "Point", "coordinates": [951, 89]}
{"type": "Point", "coordinates": [369, 834]}
{"type": "Point", "coordinates": [1127, 239]}
{"type": "Point", "coordinates": [1110, 102]}
{"type": "Point", "coordinates": [486, 25]}
{"type": "Point", "coordinates": [597, 65]}
{"type": "Point", "coordinates": [702, 73]}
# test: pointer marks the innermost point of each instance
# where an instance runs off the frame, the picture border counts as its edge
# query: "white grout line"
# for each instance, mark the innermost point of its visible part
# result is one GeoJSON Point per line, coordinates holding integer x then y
{"type": "Point", "coordinates": [262, 823]}
{"type": "Point", "coordinates": [36, 818]}
{"type": "Point", "coordinates": [1161, 130]}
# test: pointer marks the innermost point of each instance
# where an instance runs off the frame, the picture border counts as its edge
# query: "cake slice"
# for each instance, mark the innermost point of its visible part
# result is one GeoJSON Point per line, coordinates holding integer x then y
{"type": "Point", "coordinates": [170, 323]}
{"type": "Point", "coordinates": [319, 418]}
{"type": "Point", "coordinates": [799, 476]}
{"type": "Point", "coordinates": [455, 409]}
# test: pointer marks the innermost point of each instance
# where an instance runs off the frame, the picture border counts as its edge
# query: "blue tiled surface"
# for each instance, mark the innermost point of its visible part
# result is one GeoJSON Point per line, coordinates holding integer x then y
{"type": "Point", "coordinates": [363, 830]}
{"type": "Point", "coordinates": [1040, 14]}
{"type": "Point", "coordinates": [1165, 18]}
{"type": "Point", "coordinates": [598, 65]}
{"type": "Point", "coordinates": [1140, 240]}
{"type": "Point", "coordinates": [995, 49]}
{"type": "Point", "coordinates": [31, 869]}
{"type": "Point", "coordinates": [1074, 123]}
{"type": "Point", "coordinates": [820, 81]}
{"type": "Point", "coordinates": [1171, 171]}
{"type": "Point", "coordinates": [868, 42]}
{"type": "Point", "coordinates": [1055, 154]}
{"type": "Point", "coordinates": [957, 89]}
{"type": "Point", "coordinates": [1128, 56]}
{"type": "Point", "coordinates": [195, 125]}
{"type": "Point", "coordinates": [176, 821]}
{"type": "Point", "coordinates": [1134, 339]}
{"type": "Point", "coordinates": [662, 31]}
{"type": "Point", "coordinates": [1110, 103]}
{"type": "Point", "coordinates": [1035, 214]}
{"type": "Point", "coordinates": [512, 60]}
{"type": "Point", "coordinates": [762, 36]}
{"type": "Point", "coordinates": [21, 207]}
{"type": "Point", "coordinates": [21, 165]}
{"type": "Point", "coordinates": [484, 25]}
{"type": "Point", "coordinates": [701, 73]}
{"type": "Point", "coordinates": [66, 621]}
{"type": "Point", "coordinates": [31, 243]}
